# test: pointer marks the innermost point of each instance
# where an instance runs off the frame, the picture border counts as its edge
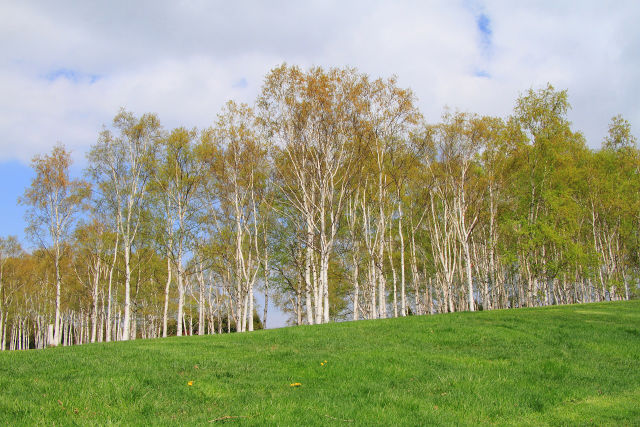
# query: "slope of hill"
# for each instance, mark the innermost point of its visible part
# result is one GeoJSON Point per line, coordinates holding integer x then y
{"type": "Point", "coordinates": [575, 364]}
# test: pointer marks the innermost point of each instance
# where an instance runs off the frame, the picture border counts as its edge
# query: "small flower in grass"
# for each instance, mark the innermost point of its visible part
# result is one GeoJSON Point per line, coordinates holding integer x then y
{"type": "Point", "coordinates": [295, 385]}
{"type": "Point", "coordinates": [190, 383]}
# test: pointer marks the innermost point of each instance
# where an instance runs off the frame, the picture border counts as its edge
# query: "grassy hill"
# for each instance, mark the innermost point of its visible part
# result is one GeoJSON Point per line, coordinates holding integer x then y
{"type": "Point", "coordinates": [577, 365]}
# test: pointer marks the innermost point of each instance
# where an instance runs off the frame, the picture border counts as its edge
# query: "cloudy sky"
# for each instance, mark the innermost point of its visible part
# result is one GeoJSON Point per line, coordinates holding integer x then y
{"type": "Point", "coordinates": [67, 67]}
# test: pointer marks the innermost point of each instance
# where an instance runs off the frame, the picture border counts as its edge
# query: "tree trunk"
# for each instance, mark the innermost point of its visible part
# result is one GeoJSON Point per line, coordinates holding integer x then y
{"type": "Point", "coordinates": [469, 277]}
{"type": "Point", "coordinates": [165, 313]}
{"type": "Point", "coordinates": [307, 282]}
{"type": "Point", "coordinates": [127, 291]}
{"type": "Point", "coordinates": [56, 331]}
{"type": "Point", "coordinates": [356, 288]}
{"type": "Point", "coordinates": [382, 283]}
{"type": "Point", "coordinates": [250, 314]}
{"type": "Point", "coordinates": [393, 273]}
{"type": "Point", "coordinates": [201, 305]}
{"type": "Point", "coordinates": [266, 281]}
{"type": "Point", "coordinates": [94, 314]}
{"type": "Point", "coordinates": [403, 298]}
{"type": "Point", "coordinates": [1, 330]}
{"type": "Point", "coordinates": [180, 297]}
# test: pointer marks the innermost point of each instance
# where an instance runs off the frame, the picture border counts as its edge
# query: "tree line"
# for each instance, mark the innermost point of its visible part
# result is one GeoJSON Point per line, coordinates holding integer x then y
{"type": "Point", "coordinates": [332, 198]}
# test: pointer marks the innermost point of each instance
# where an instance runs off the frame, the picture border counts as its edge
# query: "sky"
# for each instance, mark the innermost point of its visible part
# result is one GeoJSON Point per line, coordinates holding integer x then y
{"type": "Point", "coordinates": [67, 67]}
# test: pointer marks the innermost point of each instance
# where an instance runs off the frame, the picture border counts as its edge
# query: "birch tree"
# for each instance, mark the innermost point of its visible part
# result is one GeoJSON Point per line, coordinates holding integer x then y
{"type": "Point", "coordinates": [119, 163]}
{"type": "Point", "coordinates": [90, 251]}
{"type": "Point", "coordinates": [177, 177]}
{"type": "Point", "coordinates": [53, 201]}
{"type": "Point", "coordinates": [9, 248]}
{"type": "Point", "coordinates": [389, 118]}
{"type": "Point", "coordinates": [239, 167]}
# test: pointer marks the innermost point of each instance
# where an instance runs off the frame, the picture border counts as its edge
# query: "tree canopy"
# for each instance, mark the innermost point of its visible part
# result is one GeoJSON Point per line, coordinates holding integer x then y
{"type": "Point", "coordinates": [332, 198]}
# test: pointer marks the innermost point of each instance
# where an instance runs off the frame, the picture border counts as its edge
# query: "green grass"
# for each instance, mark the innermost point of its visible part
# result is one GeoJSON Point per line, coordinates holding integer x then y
{"type": "Point", "coordinates": [570, 365]}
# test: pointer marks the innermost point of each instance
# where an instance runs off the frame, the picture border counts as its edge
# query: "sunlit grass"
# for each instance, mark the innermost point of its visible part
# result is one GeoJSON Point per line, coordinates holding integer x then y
{"type": "Point", "coordinates": [573, 365]}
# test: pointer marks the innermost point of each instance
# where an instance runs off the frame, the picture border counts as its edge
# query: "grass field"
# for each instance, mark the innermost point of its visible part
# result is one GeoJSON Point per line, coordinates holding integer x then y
{"type": "Point", "coordinates": [574, 365]}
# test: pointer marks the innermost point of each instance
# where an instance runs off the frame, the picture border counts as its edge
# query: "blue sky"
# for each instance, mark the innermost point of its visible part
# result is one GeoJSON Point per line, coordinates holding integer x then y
{"type": "Point", "coordinates": [15, 176]}
{"type": "Point", "coordinates": [484, 27]}
{"type": "Point", "coordinates": [73, 76]}
{"type": "Point", "coordinates": [67, 66]}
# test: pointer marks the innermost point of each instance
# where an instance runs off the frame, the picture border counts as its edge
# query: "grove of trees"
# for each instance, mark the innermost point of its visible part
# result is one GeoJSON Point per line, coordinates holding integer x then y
{"type": "Point", "coordinates": [333, 199]}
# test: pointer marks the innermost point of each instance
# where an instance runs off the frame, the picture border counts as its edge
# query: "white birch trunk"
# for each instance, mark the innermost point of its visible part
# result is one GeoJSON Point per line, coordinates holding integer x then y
{"type": "Point", "coordinates": [250, 313]}
{"type": "Point", "coordinates": [201, 302]}
{"type": "Point", "coordinates": [179, 317]}
{"type": "Point", "coordinates": [356, 288]}
{"type": "Point", "coordinates": [56, 332]}
{"type": "Point", "coordinates": [165, 312]}
{"type": "Point", "coordinates": [266, 281]}
{"type": "Point", "coordinates": [94, 314]}
{"type": "Point", "coordinates": [393, 273]}
{"type": "Point", "coordinates": [127, 291]}
{"type": "Point", "coordinates": [403, 298]}
{"type": "Point", "coordinates": [307, 272]}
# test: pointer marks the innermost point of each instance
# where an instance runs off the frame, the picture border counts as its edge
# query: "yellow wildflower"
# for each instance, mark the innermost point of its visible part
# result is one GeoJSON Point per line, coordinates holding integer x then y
{"type": "Point", "coordinates": [190, 383]}
{"type": "Point", "coordinates": [295, 385]}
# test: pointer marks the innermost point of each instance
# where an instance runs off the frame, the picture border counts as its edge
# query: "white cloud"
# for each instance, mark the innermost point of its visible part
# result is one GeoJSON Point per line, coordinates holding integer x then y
{"type": "Point", "coordinates": [183, 60]}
